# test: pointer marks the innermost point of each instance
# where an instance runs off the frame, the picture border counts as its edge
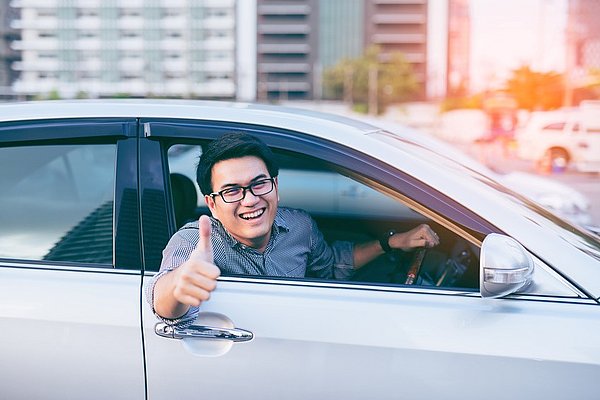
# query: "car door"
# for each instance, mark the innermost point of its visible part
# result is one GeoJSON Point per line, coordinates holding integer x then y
{"type": "Point", "coordinates": [70, 260]}
{"type": "Point", "coordinates": [364, 338]}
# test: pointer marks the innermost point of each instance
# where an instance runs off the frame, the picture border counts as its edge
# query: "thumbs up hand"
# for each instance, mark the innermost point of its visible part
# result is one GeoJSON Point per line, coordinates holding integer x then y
{"type": "Point", "coordinates": [196, 278]}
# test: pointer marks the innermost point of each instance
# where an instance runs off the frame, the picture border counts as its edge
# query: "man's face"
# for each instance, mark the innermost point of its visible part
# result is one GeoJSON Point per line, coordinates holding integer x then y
{"type": "Point", "coordinates": [249, 220]}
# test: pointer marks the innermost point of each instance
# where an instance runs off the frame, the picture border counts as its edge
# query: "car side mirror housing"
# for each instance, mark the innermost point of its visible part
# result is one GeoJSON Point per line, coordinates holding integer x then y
{"type": "Point", "coordinates": [505, 266]}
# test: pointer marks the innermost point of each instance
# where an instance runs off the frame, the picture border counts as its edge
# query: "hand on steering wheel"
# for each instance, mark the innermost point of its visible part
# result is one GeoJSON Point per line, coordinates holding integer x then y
{"type": "Point", "coordinates": [421, 236]}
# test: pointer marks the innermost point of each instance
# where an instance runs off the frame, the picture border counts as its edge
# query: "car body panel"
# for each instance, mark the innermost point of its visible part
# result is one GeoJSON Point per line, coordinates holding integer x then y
{"type": "Point", "coordinates": [553, 195]}
{"type": "Point", "coordinates": [325, 342]}
{"type": "Point", "coordinates": [70, 332]}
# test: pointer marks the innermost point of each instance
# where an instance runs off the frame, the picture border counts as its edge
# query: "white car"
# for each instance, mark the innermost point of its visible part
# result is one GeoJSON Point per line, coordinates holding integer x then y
{"type": "Point", "coordinates": [557, 139]}
{"type": "Point", "coordinates": [507, 305]}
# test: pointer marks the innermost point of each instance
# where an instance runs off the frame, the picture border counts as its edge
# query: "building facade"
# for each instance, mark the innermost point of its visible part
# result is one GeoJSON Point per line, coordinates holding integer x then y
{"type": "Point", "coordinates": [97, 48]}
{"type": "Point", "coordinates": [400, 26]}
{"type": "Point", "coordinates": [459, 48]}
{"type": "Point", "coordinates": [287, 40]}
{"type": "Point", "coordinates": [298, 39]}
{"type": "Point", "coordinates": [265, 50]}
{"type": "Point", "coordinates": [341, 33]}
{"type": "Point", "coordinates": [8, 56]}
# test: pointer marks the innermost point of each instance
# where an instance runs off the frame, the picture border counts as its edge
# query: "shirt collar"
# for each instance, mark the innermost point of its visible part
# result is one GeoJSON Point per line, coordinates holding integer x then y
{"type": "Point", "coordinates": [280, 223]}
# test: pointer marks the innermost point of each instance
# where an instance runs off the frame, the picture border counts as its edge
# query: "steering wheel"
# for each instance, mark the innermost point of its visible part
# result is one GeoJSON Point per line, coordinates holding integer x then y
{"type": "Point", "coordinates": [399, 274]}
{"type": "Point", "coordinates": [415, 267]}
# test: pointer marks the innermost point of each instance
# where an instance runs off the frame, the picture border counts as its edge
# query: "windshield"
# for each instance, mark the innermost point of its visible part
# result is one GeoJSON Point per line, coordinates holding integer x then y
{"type": "Point", "coordinates": [581, 239]}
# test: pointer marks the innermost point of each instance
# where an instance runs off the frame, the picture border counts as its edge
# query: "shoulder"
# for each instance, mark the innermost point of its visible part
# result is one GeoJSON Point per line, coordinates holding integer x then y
{"type": "Point", "coordinates": [292, 215]}
{"type": "Point", "coordinates": [294, 219]}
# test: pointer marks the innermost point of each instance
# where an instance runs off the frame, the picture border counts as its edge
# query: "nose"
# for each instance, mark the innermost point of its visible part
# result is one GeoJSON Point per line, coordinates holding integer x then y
{"type": "Point", "coordinates": [249, 199]}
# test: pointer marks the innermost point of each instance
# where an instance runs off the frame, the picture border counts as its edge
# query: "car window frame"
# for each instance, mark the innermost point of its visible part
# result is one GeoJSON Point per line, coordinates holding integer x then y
{"type": "Point", "coordinates": [161, 133]}
{"type": "Point", "coordinates": [122, 132]}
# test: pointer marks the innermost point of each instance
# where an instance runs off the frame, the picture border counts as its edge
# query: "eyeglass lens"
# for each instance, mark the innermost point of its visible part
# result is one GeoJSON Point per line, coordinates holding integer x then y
{"type": "Point", "coordinates": [258, 188]}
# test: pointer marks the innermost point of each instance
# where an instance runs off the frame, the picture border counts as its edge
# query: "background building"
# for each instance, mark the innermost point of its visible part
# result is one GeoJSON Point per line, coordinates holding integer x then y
{"type": "Point", "coordinates": [583, 47]}
{"type": "Point", "coordinates": [341, 33]}
{"type": "Point", "coordinates": [298, 39]}
{"type": "Point", "coordinates": [245, 49]}
{"type": "Point", "coordinates": [287, 40]}
{"type": "Point", "coordinates": [400, 26]}
{"type": "Point", "coordinates": [459, 39]}
{"type": "Point", "coordinates": [179, 48]}
{"type": "Point", "coordinates": [8, 55]}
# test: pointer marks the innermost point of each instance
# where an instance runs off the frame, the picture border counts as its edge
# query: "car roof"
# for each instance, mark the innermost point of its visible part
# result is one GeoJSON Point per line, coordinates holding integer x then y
{"type": "Point", "coordinates": [260, 114]}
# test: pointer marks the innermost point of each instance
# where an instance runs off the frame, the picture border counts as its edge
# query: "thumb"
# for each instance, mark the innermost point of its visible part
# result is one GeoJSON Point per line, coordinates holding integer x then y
{"type": "Point", "coordinates": [203, 249]}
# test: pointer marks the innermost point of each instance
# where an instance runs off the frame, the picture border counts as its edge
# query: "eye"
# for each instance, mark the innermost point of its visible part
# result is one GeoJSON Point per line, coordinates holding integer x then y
{"type": "Point", "coordinates": [231, 192]}
{"type": "Point", "coordinates": [260, 184]}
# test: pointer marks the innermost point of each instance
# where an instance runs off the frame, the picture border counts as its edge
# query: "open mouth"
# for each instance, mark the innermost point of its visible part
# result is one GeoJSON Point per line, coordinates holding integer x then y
{"type": "Point", "coordinates": [252, 215]}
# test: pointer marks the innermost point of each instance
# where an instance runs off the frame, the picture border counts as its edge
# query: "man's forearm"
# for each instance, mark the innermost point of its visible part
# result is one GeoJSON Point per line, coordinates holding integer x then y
{"type": "Point", "coordinates": [165, 303]}
{"type": "Point", "coordinates": [366, 252]}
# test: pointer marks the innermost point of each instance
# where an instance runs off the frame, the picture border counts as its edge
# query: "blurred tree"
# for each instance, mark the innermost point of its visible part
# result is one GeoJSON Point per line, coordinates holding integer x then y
{"type": "Point", "coordinates": [349, 79]}
{"type": "Point", "coordinates": [460, 102]}
{"type": "Point", "coordinates": [536, 90]}
{"type": "Point", "coordinates": [51, 95]}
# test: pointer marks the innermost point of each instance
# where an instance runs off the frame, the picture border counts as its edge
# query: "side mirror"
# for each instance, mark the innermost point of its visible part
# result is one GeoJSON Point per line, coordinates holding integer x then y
{"type": "Point", "coordinates": [504, 267]}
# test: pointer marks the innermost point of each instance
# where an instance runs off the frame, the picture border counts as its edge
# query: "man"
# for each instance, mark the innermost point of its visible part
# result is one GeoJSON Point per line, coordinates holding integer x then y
{"type": "Point", "coordinates": [250, 234]}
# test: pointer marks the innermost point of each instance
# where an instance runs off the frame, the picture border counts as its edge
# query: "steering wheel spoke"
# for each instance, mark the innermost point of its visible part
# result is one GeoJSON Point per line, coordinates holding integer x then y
{"type": "Point", "coordinates": [415, 267]}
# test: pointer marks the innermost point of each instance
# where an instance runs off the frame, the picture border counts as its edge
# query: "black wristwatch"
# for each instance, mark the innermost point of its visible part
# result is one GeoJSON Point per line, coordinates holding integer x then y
{"type": "Point", "coordinates": [384, 240]}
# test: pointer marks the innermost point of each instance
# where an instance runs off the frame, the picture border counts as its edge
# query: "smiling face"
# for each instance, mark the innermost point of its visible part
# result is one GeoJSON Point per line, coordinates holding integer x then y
{"type": "Point", "coordinates": [249, 220]}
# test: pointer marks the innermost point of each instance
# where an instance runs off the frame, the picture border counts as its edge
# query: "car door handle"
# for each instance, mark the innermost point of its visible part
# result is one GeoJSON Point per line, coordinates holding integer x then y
{"type": "Point", "coordinates": [203, 332]}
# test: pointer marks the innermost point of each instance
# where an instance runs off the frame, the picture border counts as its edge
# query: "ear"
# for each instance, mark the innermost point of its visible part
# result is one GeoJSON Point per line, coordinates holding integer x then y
{"type": "Point", "coordinates": [210, 202]}
{"type": "Point", "coordinates": [276, 183]}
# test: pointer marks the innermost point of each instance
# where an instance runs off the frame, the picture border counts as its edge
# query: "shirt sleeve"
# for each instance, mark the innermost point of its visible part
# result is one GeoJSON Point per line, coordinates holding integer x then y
{"type": "Point", "coordinates": [325, 261]}
{"type": "Point", "coordinates": [177, 251]}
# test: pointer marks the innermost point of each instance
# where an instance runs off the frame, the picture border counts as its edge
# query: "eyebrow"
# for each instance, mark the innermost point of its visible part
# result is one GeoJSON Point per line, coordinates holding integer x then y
{"type": "Point", "coordinates": [232, 185]}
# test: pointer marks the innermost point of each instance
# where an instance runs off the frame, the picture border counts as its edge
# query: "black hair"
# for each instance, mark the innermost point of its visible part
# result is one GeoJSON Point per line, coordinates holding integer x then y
{"type": "Point", "coordinates": [232, 145]}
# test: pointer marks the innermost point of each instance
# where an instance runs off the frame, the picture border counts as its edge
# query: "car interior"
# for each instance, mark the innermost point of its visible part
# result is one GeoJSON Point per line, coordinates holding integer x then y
{"type": "Point", "coordinates": [348, 210]}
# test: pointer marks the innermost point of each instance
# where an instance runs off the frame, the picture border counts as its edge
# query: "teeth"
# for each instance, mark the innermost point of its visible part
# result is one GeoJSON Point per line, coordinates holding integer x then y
{"type": "Point", "coordinates": [251, 215]}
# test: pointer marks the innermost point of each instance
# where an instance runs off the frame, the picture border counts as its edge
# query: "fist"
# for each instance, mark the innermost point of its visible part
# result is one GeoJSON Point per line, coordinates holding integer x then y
{"type": "Point", "coordinates": [421, 236]}
{"type": "Point", "coordinates": [196, 278]}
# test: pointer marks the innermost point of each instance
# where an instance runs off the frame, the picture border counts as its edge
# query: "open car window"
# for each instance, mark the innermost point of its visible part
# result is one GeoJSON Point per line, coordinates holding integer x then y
{"type": "Point", "coordinates": [347, 208]}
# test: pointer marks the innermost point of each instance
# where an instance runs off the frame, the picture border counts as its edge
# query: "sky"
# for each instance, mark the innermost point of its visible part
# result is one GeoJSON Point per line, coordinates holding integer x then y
{"type": "Point", "coordinates": [506, 34]}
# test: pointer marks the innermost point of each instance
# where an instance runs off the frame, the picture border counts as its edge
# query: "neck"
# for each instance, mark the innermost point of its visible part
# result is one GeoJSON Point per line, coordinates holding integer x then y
{"type": "Point", "coordinates": [259, 244]}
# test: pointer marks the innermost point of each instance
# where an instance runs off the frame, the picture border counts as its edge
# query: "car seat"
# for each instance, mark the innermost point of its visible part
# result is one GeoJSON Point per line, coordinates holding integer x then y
{"type": "Point", "coordinates": [185, 198]}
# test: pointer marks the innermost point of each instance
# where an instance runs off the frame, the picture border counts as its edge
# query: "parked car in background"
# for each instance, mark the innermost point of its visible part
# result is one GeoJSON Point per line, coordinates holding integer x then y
{"type": "Point", "coordinates": [558, 139]}
{"type": "Point", "coordinates": [93, 190]}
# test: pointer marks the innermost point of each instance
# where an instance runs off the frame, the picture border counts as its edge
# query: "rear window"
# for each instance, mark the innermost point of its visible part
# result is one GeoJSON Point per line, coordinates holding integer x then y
{"type": "Point", "coordinates": [57, 203]}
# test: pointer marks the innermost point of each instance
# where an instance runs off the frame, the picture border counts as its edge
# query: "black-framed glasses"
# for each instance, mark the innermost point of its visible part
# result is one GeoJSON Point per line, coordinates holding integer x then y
{"type": "Point", "coordinates": [237, 193]}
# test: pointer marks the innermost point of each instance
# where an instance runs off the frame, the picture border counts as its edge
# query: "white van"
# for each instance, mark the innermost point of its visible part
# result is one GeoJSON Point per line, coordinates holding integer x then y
{"type": "Point", "coordinates": [557, 139]}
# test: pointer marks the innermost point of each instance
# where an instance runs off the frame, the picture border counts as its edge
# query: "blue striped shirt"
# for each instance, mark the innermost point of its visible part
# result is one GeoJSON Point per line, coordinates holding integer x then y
{"type": "Point", "coordinates": [295, 249]}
